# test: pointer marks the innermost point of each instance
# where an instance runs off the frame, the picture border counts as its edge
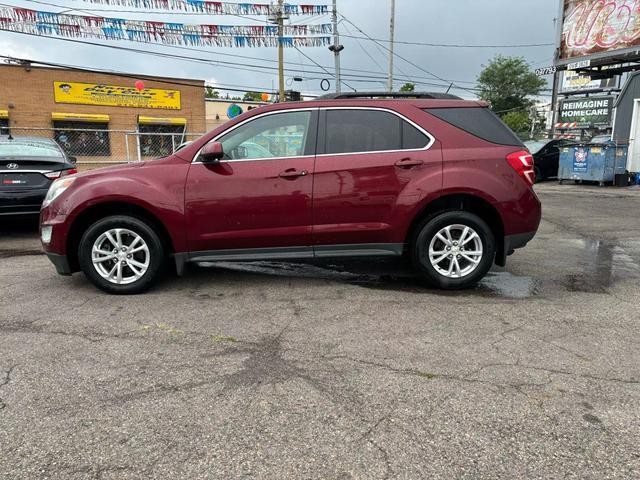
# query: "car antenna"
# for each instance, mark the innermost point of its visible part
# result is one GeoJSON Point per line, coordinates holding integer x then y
{"type": "Point", "coordinates": [9, 137]}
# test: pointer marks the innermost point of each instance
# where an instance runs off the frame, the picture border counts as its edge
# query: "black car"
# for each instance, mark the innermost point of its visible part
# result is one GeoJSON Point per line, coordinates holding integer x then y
{"type": "Point", "coordinates": [546, 156]}
{"type": "Point", "coordinates": [28, 165]}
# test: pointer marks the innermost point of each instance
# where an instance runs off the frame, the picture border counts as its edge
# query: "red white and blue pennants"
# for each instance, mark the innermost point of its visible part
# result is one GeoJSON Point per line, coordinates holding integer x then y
{"type": "Point", "coordinates": [47, 23]}
{"type": "Point", "coordinates": [217, 8]}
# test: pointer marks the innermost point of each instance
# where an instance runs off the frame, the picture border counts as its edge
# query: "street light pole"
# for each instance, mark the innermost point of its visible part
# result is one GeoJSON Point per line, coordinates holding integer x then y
{"type": "Point", "coordinates": [391, 35]}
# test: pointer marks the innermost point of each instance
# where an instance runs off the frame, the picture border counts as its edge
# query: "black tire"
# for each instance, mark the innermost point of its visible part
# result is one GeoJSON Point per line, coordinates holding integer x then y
{"type": "Point", "coordinates": [539, 176]}
{"type": "Point", "coordinates": [428, 229]}
{"type": "Point", "coordinates": [157, 259]}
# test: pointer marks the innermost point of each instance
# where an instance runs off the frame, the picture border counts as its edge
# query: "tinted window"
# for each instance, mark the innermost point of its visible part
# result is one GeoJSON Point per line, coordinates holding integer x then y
{"type": "Point", "coordinates": [350, 131]}
{"type": "Point", "coordinates": [278, 135]}
{"type": "Point", "coordinates": [412, 138]}
{"type": "Point", "coordinates": [481, 122]}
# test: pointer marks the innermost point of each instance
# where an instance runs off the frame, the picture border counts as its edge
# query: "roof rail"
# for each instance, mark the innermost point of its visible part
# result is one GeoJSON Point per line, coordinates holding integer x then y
{"type": "Point", "coordinates": [426, 95]}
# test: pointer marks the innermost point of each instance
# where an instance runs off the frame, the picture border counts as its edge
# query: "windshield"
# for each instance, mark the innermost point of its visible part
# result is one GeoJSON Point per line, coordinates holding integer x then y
{"type": "Point", "coordinates": [535, 145]}
{"type": "Point", "coordinates": [18, 148]}
{"type": "Point", "coordinates": [600, 139]}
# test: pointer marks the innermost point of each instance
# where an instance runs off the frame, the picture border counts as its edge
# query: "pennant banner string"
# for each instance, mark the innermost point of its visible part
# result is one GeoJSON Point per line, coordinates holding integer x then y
{"type": "Point", "coordinates": [50, 19]}
{"type": "Point", "coordinates": [217, 8]}
{"type": "Point", "coordinates": [75, 26]}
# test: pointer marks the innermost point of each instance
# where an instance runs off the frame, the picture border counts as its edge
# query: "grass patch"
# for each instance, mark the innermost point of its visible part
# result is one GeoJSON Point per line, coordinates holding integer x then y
{"type": "Point", "coordinates": [223, 339]}
{"type": "Point", "coordinates": [427, 375]}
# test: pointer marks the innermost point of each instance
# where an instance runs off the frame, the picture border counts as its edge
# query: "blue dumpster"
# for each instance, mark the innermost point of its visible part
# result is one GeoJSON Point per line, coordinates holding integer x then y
{"type": "Point", "coordinates": [593, 162]}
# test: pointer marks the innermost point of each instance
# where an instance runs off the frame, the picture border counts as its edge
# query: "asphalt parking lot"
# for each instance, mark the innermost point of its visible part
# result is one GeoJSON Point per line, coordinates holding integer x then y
{"type": "Point", "coordinates": [335, 372]}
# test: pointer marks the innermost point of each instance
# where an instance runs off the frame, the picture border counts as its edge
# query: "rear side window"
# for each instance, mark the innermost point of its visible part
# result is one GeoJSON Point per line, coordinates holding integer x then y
{"type": "Point", "coordinates": [412, 138]}
{"type": "Point", "coordinates": [354, 131]}
{"type": "Point", "coordinates": [481, 122]}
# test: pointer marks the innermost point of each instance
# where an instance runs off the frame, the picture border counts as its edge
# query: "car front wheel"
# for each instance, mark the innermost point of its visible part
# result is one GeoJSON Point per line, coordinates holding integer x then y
{"type": "Point", "coordinates": [454, 250]}
{"type": "Point", "coordinates": [121, 254]}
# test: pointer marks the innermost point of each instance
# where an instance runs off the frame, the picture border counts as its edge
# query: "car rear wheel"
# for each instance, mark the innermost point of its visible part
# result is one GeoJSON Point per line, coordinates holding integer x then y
{"type": "Point", "coordinates": [454, 250]}
{"type": "Point", "coordinates": [121, 254]}
{"type": "Point", "coordinates": [538, 172]}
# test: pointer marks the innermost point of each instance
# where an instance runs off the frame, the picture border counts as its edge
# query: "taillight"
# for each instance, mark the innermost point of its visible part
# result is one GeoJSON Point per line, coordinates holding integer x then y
{"type": "Point", "coordinates": [60, 173]}
{"type": "Point", "coordinates": [522, 163]}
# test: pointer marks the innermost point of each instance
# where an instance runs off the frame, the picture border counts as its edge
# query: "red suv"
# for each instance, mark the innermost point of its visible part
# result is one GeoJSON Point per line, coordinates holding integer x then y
{"type": "Point", "coordinates": [438, 179]}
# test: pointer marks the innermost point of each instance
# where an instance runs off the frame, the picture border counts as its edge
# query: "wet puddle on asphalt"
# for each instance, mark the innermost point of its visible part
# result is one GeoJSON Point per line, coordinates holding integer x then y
{"type": "Point", "coordinates": [382, 276]}
{"type": "Point", "coordinates": [579, 265]}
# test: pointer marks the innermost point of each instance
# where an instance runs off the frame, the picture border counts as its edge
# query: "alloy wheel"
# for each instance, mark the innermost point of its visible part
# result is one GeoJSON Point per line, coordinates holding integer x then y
{"type": "Point", "coordinates": [455, 251]}
{"type": "Point", "coordinates": [120, 256]}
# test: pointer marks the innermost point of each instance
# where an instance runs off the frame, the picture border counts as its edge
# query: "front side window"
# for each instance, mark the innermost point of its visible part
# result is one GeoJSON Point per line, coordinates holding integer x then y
{"type": "Point", "coordinates": [355, 131]}
{"type": "Point", "coordinates": [271, 136]}
{"type": "Point", "coordinates": [83, 139]}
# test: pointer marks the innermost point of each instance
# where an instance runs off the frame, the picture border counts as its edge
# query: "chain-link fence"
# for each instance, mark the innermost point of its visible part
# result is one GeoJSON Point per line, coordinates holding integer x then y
{"type": "Point", "coordinates": [99, 146]}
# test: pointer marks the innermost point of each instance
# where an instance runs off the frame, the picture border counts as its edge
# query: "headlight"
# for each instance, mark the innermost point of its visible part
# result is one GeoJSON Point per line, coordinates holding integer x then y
{"type": "Point", "coordinates": [56, 189]}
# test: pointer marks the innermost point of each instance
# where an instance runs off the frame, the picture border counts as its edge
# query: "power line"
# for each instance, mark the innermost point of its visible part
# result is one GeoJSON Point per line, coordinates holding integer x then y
{"type": "Point", "coordinates": [169, 81]}
{"type": "Point", "coordinates": [218, 63]}
{"type": "Point", "coordinates": [452, 84]}
{"type": "Point", "coordinates": [311, 59]}
{"type": "Point", "coordinates": [452, 45]}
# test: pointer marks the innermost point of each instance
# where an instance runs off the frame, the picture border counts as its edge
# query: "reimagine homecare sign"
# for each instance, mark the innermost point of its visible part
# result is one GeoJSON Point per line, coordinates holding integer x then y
{"type": "Point", "coordinates": [587, 112]}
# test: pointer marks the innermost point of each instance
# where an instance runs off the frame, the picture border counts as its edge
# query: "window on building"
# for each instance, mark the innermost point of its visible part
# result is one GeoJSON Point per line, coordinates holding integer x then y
{"type": "Point", "coordinates": [160, 140]}
{"type": "Point", "coordinates": [83, 139]}
{"type": "Point", "coordinates": [272, 136]}
{"type": "Point", "coordinates": [4, 126]}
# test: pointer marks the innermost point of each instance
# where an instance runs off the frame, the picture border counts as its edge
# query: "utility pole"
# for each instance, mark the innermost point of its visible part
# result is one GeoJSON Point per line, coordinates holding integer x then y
{"type": "Point", "coordinates": [391, 34]}
{"type": "Point", "coordinates": [336, 48]}
{"type": "Point", "coordinates": [280, 20]}
{"type": "Point", "coordinates": [554, 101]}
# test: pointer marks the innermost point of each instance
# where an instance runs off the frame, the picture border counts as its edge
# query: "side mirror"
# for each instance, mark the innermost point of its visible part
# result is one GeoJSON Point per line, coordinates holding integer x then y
{"type": "Point", "coordinates": [212, 153]}
{"type": "Point", "coordinates": [73, 160]}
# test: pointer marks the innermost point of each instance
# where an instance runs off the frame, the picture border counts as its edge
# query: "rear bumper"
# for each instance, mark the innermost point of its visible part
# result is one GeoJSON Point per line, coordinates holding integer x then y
{"type": "Point", "coordinates": [26, 202]}
{"type": "Point", "coordinates": [512, 242]}
{"type": "Point", "coordinates": [60, 262]}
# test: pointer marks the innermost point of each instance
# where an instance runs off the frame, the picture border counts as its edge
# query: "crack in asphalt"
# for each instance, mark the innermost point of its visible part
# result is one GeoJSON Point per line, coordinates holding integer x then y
{"type": "Point", "coordinates": [9, 253]}
{"type": "Point", "coordinates": [5, 381]}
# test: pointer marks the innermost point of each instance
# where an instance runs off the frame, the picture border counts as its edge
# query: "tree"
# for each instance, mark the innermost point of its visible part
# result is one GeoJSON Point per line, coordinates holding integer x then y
{"type": "Point", "coordinates": [252, 97]}
{"type": "Point", "coordinates": [520, 122]}
{"type": "Point", "coordinates": [408, 87]}
{"type": "Point", "coordinates": [508, 84]}
{"type": "Point", "coordinates": [210, 92]}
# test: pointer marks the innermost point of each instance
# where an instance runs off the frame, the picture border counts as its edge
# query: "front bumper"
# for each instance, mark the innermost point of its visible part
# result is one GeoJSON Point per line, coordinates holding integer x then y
{"type": "Point", "coordinates": [60, 262]}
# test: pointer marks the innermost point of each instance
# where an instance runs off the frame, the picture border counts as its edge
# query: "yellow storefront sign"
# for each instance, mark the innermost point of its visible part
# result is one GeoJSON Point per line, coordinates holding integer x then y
{"type": "Point", "coordinates": [115, 96]}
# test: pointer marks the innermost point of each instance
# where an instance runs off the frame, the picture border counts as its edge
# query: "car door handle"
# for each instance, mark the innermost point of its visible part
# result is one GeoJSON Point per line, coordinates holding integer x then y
{"type": "Point", "coordinates": [292, 174]}
{"type": "Point", "coordinates": [409, 162]}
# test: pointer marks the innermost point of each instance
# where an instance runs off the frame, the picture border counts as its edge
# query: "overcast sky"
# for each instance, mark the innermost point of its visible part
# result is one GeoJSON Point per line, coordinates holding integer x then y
{"type": "Point", "coordinates": [476, 22]}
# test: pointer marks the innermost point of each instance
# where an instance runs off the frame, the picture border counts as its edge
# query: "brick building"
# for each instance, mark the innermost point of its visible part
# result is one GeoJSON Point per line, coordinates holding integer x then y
{"type": "Point", "coordinates": [98, 117]}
